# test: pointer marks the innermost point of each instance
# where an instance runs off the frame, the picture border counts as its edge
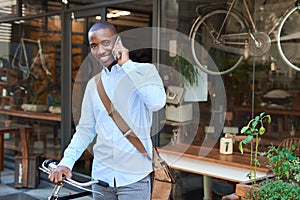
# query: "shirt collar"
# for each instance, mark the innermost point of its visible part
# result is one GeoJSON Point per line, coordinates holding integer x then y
{"type": "Point", "coordinates": [115, 68]}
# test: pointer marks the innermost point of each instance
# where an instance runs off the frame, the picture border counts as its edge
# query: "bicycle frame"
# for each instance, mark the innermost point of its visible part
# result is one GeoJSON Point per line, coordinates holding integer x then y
{"type": "Point", "coordinates": [27, 69]}
{"type": "Point", "coordinates": [55, 194]}
{"type": "Point", "coordinates": [235, 36]}
{"type": "Point", "coordinates": [250, 21]}
{"type": "Point", "coordinates": [232, 5]}
{"type": "Point", "coordinates": [251, 25]}
{"type": "Point", "coordinates": [251, 35]}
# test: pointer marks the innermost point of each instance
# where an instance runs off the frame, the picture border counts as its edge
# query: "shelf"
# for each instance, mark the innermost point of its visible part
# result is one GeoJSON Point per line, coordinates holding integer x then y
{"type": "Point", "coordinates": [267, 110]}
{"type": "Point", "coordinates": [32, 115]}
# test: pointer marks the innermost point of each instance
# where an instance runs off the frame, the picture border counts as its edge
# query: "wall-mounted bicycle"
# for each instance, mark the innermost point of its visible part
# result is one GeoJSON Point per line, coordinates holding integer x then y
{"type": "Point", "coordinates": [30, 60]}
{"type": "Point", "coordinates": [21, 60]}
{"type": "Point", "coordinates": [228, 36]}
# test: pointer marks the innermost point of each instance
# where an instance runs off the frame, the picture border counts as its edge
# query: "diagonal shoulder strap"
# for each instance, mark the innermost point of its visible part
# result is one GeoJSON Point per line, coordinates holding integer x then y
{"type": "Point", "coordinates": [120, 122]}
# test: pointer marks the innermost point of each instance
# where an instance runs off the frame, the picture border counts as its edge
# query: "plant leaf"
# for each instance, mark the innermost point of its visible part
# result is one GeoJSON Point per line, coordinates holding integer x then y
{"type": "Point", "coordinates": [273, 159]}
{"type": "Point", "coordinates": [254, 124]}
{"type": "Point", "coordinates": [244, 129]}
{"type": "Point", "coordinates": [262, 114]}
{"type": "Point", "coordinates": [290, 156]}
{"type": "Point", "coordinates": [241, 147]}
{"type": "Point", "coordinates": [248, 139]}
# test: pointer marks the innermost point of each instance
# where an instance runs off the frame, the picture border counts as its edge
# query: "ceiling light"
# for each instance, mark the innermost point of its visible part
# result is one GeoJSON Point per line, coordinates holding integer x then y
{"type": "Point", "coordinates": [124, 13]}
{"type": "Point", "coordinates": [117, 13]}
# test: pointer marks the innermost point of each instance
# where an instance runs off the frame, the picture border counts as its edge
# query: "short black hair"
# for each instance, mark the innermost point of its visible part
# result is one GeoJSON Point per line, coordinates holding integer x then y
{"type": "Point", "coordinates": [103, 25]}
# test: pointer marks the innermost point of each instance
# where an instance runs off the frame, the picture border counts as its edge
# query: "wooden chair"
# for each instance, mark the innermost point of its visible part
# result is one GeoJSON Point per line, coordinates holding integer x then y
{"type": "Point", "coordinates": [288, 142]}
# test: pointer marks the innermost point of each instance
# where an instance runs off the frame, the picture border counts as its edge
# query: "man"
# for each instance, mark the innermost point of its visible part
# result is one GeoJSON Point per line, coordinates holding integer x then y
{"type": "Point", "coordinates": [136, 91]}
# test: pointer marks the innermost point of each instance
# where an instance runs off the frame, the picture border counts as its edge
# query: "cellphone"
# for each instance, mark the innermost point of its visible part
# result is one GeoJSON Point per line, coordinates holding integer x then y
{"type": "Point", "coordinates": [119, 54]}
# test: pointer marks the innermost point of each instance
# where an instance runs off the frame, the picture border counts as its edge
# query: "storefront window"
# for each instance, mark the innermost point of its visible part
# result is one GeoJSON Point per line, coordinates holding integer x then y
{"type": "Point", "coordinates": [30, 76]}
{"type": "Point", "coordinates": [34, 54]}
{"type": "Point", "coordinates": [223, 70]}
{"type": "Point", "coordinates": [249, 68]}
{"type": "Point", "coordinates": [34, 73]}
{"type": "Point", "coordinates": [240, 47]}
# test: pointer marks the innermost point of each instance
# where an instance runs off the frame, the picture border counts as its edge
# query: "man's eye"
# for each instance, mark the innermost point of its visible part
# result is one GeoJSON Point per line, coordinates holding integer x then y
{"type": "Point", "coordinates": [93, 46]}
{"type": "Point", "coordinates": [106, 43]}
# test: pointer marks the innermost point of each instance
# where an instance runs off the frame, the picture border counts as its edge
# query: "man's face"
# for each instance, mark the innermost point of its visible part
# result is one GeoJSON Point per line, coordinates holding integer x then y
{"type": "Point", "coordinates": [101, 43]}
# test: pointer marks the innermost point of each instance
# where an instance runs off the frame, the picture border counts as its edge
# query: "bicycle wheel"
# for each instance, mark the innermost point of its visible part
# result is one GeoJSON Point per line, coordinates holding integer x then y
{"type": "Point", "coordinates": [288, 38]}
{"type": "Point", "coordinates": [210, 33]}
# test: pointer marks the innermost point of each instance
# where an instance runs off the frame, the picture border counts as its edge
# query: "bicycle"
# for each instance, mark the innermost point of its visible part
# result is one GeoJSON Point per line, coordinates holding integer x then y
{"type": "Point", "coordinates": [29, 59]}
{"type": "Point", "coordinates": [50, 164]}
{"type": "Point", "coordinates": [20, 59]}
{"type": "Point", "coordinates": [229, 37]}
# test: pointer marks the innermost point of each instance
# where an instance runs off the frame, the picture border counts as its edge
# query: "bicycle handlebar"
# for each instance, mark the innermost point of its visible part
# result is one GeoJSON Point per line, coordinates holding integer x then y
{"type": "Point", "coordinates": [50, 164]}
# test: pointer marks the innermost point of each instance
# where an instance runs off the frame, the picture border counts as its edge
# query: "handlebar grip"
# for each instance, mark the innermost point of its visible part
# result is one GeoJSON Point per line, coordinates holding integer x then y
{"type": "Point", "coordinates": [102, 183]}
{"type": "Point", "coordinates": [48, 161]}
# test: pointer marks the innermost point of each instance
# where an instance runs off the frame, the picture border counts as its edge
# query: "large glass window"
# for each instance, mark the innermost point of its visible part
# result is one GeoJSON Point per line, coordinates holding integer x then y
{"type": "Point", "coordinates": [241, 50]}
{"type": "Point", "coordinates": [30, 79]}
{"type": "Point", "coordinates": [255, 74]}
{"type": "Point", "coordinates": [32, 66]}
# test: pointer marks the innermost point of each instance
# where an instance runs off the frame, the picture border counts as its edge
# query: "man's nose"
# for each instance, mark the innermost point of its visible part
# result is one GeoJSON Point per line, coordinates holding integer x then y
{"type": "Point", "coordinates": [100, 50]}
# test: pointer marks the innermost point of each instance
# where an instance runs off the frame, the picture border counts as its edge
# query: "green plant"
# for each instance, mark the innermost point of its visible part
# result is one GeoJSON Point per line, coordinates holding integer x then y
{"type": "Point", "coordinates": [185, 68]}
{"type": "Point", "coordinates": [286, 183]}
{"type": "Point", "coordinates": [282, 161]}
{"type": "Point", "coordinates": [295, 167]}
{"type": "Point", "coordinates": [253, 130]}
{"type": "Point", "coordinates": [277, 190]}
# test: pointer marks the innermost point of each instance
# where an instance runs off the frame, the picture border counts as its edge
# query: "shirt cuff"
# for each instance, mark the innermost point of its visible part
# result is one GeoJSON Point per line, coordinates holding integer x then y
{"type": "Point", "coordinates": [67, 162]}
{"type": "Point", "coordinates": [127, 66]}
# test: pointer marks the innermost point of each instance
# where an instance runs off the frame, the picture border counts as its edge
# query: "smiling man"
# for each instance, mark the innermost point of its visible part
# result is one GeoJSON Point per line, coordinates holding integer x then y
{"type": "Point", "coordinates": [136, 91]}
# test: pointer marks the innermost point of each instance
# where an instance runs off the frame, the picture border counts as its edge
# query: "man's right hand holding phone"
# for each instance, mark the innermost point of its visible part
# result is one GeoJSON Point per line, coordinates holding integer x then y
{"type": "Point", "coordinates": [120, 53]}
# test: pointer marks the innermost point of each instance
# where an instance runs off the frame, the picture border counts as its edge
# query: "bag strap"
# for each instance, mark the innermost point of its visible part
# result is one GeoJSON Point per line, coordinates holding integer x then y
{"type": "Point", "coordinates": [117, 118]}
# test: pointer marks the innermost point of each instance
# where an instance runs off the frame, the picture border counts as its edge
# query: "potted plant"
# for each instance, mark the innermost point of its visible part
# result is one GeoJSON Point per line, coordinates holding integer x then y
{"type": "Point", "coordinates": [253, 130]}
{"type": "Point", "coordinates": [286, 183]}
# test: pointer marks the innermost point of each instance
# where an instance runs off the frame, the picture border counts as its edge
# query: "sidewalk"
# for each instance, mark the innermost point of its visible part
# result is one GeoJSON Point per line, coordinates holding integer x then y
{"type": "Point", "coordinates": [44, 189]}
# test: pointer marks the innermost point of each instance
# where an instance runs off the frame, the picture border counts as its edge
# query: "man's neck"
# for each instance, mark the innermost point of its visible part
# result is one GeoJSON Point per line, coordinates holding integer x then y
{"type": "Point", "coordinates": [112, 64]}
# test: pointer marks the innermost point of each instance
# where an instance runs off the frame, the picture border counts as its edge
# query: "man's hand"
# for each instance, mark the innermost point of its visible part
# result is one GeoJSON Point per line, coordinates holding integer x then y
{"type": "Point", "coordinates": [120, 52]}
{"type": "Point", "coordinates": [57, 174]}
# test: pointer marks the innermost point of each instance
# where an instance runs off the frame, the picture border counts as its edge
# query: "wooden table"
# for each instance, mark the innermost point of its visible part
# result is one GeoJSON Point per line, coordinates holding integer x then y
{"type": "Point", "coordinates": [39, 116]}
{"type": "Point", "coordinates": [210, 163]}
{"type": "Point", "coordinates": [24, 131]}
{"type": "Point", "coordinates": [32, 115]}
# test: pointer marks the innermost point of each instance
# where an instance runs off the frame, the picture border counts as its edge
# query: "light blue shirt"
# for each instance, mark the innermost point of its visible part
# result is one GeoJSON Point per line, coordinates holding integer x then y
{"type": "Point", "coordinates": [136, 91]}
